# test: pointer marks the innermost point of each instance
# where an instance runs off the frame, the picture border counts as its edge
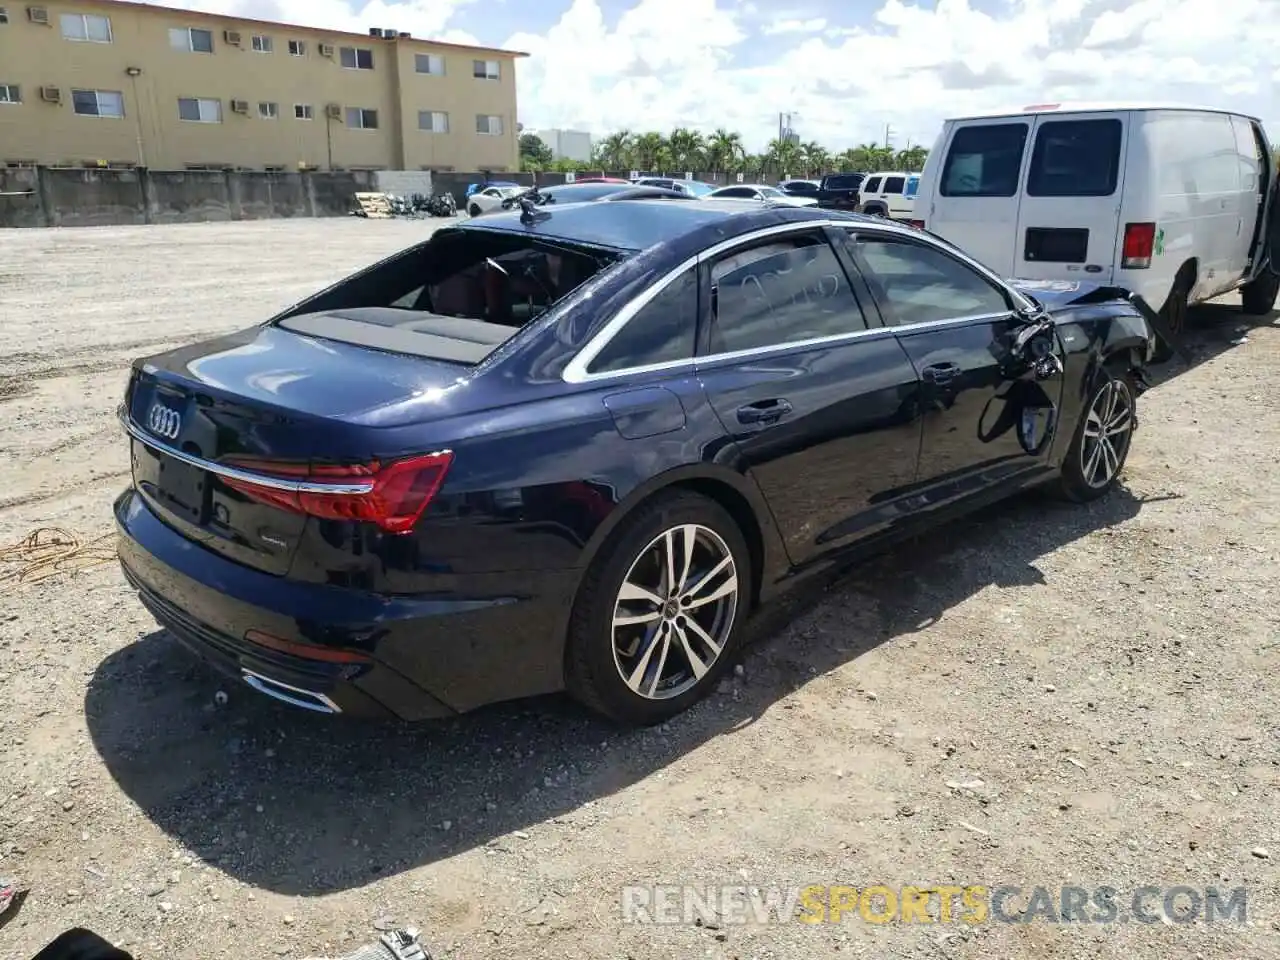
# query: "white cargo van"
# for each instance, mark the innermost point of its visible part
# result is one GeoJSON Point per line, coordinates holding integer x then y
{"type": "Point", "coordinates": [1168, 201]}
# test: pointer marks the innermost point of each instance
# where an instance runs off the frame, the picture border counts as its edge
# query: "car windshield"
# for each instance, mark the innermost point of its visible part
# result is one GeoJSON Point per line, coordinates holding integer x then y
{"type": "Point", "coordinates": [456, 297]}
{"type": "Point", "coordinates": [696, 188]}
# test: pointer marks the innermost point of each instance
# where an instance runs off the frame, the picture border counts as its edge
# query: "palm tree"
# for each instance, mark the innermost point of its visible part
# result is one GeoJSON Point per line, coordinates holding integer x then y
{"type": "Point", "coordinates": [688, 149]}
{"type": "Point", "coordinates": [815, 158]}
{"type": "Point", "coordinates": [614, 151]}
{"type": "Point", "coordinates": [724, 150]}
{"type": "Point", "coordinates": [649, 151]}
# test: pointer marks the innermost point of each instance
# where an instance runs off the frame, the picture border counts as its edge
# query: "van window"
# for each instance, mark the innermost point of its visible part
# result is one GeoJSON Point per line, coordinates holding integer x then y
{"type": "Point", "coordinates": [1075, 158]}
{"type": "Point", "coordinates": [893, 184]}
{"type": "Point", "coordinates": [984, 160]}
{"type": "Point", "coordinates": [872, 185]}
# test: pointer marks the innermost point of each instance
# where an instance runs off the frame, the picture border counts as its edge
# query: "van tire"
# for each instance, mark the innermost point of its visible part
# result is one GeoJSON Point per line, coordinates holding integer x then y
{"type": "Point", "coordinates": [1258, 296]}
{"type": "Point", "coordinates": [1174, 314]}
{"type": "Point", "coordinates": [874, 210]}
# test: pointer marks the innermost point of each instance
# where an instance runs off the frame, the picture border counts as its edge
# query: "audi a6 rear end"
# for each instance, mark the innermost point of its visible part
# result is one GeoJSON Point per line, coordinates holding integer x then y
{"type": "Point", "coordinates": [339, 510]}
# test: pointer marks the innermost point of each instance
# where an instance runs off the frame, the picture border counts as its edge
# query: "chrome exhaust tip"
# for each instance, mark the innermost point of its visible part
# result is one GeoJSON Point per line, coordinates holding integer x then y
{"type": "Point", "coordinates": [294, 696]}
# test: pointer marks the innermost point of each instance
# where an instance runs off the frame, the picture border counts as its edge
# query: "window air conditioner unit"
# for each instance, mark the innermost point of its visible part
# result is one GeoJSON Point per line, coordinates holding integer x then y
{"type": "Point", "coordinates": [333, 111]}
{"type": "Point", "coordinates": [38, 15]}
{"type": "Point", "coordinates": [239, 106]}
{"type": "Point", "coordinates": [51, 94]}
{"type": "Point", "coordinates": [232, 37]}
{"type": "Point", "coordinates": [326, 49]}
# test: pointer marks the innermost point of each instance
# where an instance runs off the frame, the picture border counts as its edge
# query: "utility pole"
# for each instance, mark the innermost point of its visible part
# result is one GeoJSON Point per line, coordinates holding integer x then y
{"type": "Point", "coordinates": [887, 130]}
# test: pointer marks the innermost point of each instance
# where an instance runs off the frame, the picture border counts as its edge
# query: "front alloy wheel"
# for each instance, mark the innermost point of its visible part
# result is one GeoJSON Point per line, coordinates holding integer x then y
{"type": "Point", "coordinates": [1108, 429]}
{"type": "Point", "coordinates": [675, 609]}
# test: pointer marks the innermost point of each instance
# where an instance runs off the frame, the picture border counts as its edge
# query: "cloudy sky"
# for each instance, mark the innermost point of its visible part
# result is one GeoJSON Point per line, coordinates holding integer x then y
{"type": "Point", "coordinates": [843, 68]}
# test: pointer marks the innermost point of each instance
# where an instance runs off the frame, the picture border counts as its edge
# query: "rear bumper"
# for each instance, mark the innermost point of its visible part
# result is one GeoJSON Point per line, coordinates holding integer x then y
{"type": "Point", "coordinates": [430, 658]}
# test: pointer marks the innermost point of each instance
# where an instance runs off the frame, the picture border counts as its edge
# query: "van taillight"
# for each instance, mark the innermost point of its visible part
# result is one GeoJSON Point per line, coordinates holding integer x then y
{"type": "Point", "coordinates": [392, 495]}
{"type": "Point", "coordinates": [1139, 241]}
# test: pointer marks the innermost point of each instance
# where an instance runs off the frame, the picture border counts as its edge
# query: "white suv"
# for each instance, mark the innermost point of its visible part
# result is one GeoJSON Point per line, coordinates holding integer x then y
{"type": "Point", "coordinates": [890, 194]}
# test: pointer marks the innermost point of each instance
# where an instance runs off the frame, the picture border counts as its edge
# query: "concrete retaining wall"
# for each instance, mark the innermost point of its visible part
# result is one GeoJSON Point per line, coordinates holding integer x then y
{"type": "Point", "coordinates": [404, 183]}
{"type": "Point", "coordinates": [71, 197]}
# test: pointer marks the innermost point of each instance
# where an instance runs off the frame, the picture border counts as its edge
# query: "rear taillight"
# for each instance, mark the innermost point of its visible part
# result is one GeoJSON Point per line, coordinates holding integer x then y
{"type": "Point", "coordinates": [918, 224]}
{"type": "Point", "coordinates": [393, 496]}
{"type": "Point", "coordinates": [1139, 241]}
{"type": "Point", "coordinates": [307, 651]}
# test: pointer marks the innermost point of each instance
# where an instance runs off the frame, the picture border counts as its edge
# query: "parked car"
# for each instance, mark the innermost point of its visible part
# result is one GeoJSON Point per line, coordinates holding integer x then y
{"type": "Point", "coordinates": [583, 192]}
{"type": "Point", "coordinates": [761, 193]}
{"type": "Point", "coordinates": [839, 191]}
{"type": "Point", "coordinates": [490, 199]}
{"type": "Point", "coordinates": [517, 458]}
{"type": "Point", "coordinates": [800, 188]}
{"type": "Point", "coordinates": [599, 180]}
{"type": "Point", "coordinates": [694, 188]}
{"type": "Point", "coordinates": [886, 195]}
{"type": "Point", "coordinates": [473, 188]}
{"type": "Point", "coordinates": [1173, 202]}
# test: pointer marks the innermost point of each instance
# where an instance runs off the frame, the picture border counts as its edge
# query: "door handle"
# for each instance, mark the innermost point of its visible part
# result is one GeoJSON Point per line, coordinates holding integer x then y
{"type": "Point", "coordinates": [764, 411]}
{"type": "Point", "coordinates": [940, 373]}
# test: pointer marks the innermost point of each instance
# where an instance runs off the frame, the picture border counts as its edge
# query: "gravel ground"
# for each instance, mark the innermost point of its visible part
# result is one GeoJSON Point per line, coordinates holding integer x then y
{"type": "Point", "coordinates": [1041, 695]}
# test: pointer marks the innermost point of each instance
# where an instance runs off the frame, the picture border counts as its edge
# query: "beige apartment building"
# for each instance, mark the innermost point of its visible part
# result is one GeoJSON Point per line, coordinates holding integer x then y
{"type": "Point", "coordinates": [92, 82]}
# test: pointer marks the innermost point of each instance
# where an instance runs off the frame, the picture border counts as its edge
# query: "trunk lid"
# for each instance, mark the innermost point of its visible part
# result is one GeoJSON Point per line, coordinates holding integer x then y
{"type": "Point", "coordinates": [263, 394]}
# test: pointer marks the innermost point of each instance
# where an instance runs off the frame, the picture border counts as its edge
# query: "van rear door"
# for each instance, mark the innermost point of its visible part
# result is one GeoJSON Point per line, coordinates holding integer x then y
{"type": "Point", "coordinates": [1069, 218]}
{"type": "Point", "coordinates": [974, 200]}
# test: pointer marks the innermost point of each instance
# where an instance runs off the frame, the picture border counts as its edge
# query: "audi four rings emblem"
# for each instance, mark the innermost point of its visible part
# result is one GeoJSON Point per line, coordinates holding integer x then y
{"type": "Point", "coordinates": [164, 422]}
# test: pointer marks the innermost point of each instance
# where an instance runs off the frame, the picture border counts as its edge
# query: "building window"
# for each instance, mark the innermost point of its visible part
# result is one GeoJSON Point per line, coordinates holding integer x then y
{"type": "Point", "coordinates": [360, 119]}
{"type": "Point", "coordinates": [10, 93]}
{"type": "Point", "coordinates": [86, 28]}
{"type": "Point", "coordinates": [433, 121]}
{"type": "Point", "coordinates": [274, 168]}
{"type": "Point", "coordinates": [485, 69]}
{"type": "Point", "coordinates": [356, 58]}
{"type": "Point", "coordinates": [297, 48]}
{"type": "Point", "coordinates": [98, 103]}
{"type": "Point", "coordinates": [429, 63]}
{"type": "Point", "coordinates": [268, 111]}
{"type": "Point", "coordinates": [198, 110]}
{"type": "Point", "coordinates": [302, 111]}
{"type": "Point", "coordinates": [4, 16]}
{"type": "Point", "coordinates": [490, 125]}
{"type": "Point", "coordinates": [263, 44]}
{"type": "Point", "coordinates": [191, 39]}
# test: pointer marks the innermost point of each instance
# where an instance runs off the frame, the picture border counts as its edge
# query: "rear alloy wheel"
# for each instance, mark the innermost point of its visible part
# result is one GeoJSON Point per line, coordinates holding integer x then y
{"type": "Point", "coordinates": [1101, 444]}
{"type": "Point", "coordinates": [474, 210]}
{"type": "Point", "coordinates": [658, 616]}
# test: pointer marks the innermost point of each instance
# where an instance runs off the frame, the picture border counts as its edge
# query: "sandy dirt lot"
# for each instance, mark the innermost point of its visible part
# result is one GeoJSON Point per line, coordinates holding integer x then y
{"type": "Point", "coordinates": [1042, 695]}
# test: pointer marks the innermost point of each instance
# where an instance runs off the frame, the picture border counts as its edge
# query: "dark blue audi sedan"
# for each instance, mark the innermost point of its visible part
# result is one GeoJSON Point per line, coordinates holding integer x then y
{"type": "Point", "coordinates": [573, 447]}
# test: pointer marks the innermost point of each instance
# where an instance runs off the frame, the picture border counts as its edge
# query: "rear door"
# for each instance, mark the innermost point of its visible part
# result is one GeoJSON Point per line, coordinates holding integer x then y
{"type": "Point", "coordinates": [974, 203]}
{"type": "Point", "coordinates": [1069, 217]}
{"type": "Point", "coordinates": [892, 191]}
{"type": "Point", "coordinates": [816, 396]}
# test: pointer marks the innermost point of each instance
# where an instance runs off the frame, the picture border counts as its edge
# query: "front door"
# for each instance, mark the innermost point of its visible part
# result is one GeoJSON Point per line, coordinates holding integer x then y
{"type": "Point", "coordinates": [974, 202]}
{"type": "Point", "coordinates": [1069, 218]}
{"type": "Point", "coordinates": [816, 398]}
{"type": "Point", "coordinates": [986, 424]}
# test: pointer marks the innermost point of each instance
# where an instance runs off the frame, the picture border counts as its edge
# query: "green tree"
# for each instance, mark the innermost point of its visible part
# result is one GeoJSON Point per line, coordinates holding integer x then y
{"type": "Point", "coordinates": [534, 153]}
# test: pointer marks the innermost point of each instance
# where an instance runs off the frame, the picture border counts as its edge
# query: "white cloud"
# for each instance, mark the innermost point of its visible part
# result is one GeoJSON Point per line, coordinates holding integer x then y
{"type": "Point", "coordinates": [908, 65]}
{"type": "Point", "coordinates": [776, 27]}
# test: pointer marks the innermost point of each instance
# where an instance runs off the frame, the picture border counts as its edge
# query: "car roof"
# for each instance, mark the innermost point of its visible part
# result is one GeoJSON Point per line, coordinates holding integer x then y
{"type": "Point", "coordinates": [633, 225]}
{"type": "Point", "coordinates": [1094, 106]}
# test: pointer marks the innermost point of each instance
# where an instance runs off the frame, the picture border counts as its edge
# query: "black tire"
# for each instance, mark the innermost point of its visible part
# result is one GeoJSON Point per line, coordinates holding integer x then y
{"type": "Point", "coordinates": [1073, 482]}
{"type": "Point", "coordinates": [474, 210]}
{"type": "Point", "coordinates": [1174, 313]}
{"type": "Point", "coordinates": [593, 670]}
{"type": "Point", "coordinates": [1258, 297]}
{"type": "Point", "coordinates": [876, 212]}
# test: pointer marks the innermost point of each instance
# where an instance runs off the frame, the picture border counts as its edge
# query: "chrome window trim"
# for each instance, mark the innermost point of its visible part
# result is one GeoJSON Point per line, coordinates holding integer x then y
{"type": "Point", "coordinates": [576, 371]}
{"type": "Point", "coordinates": [246, 476]}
